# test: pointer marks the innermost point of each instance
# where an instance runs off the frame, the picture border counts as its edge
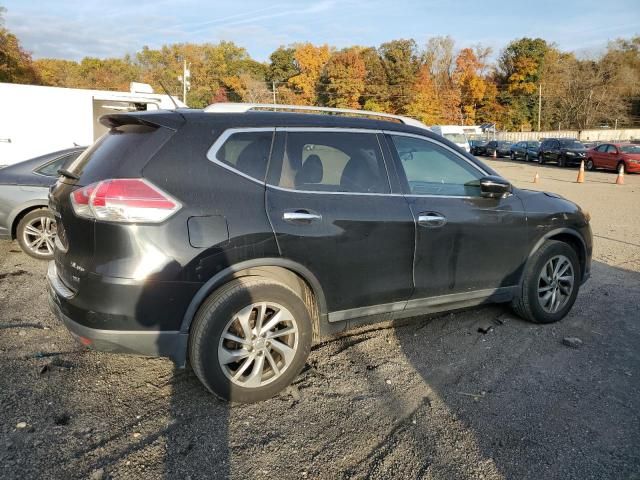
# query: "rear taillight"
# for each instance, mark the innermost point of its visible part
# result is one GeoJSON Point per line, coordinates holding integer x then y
{"type": "Point", "coordinates": [128, 200]}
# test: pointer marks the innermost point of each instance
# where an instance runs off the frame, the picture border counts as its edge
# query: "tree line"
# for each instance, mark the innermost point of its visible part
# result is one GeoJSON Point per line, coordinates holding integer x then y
{"type": "Point", "coordinates": [436, 82]}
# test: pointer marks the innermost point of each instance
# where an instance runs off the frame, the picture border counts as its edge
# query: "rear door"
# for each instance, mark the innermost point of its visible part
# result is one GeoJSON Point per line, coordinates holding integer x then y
{"type": "Point", "coordinates": [330, 202]}
{"type": "Point", "coordinates": [465, 244]}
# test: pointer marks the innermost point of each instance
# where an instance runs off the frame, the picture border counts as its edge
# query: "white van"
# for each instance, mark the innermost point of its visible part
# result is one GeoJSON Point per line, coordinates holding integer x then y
{"type": "Point", "coordinates": [453, 133]}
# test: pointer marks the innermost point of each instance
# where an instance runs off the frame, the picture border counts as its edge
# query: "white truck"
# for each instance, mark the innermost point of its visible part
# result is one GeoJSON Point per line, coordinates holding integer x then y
{"type": "Point", "coordinates": [453, 133]}
{"type": "Point", "coordinates": [36, 120]}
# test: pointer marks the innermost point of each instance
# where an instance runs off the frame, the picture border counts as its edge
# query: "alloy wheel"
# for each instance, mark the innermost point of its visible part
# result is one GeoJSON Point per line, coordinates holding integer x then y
{"type": "Point", "coordinates": [39, 235]}
{"type": "Point", "coordinates": [258, 344]}
{"type": "Point", "coordinates": [555, 283]}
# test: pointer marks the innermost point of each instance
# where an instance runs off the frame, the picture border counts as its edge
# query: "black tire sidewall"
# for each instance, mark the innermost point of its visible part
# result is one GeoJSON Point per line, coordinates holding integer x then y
{"type": "Point", "coordinates": [531, 288]}
{"type": "Point", "coordinates": [214, 324]}
{"type": "Point", "coordinates": [40, 212]}
{"type": "Point", "coordinates": [589, 165]}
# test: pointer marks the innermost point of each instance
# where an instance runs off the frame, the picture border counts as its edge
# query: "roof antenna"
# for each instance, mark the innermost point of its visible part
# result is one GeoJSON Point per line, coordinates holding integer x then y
{"type": "Point", "coordinates": [168, 94]}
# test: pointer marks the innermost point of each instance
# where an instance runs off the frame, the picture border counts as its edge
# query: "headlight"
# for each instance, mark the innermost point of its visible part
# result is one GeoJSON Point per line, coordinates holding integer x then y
{"type": "Point", "coordinates": [570, 154]}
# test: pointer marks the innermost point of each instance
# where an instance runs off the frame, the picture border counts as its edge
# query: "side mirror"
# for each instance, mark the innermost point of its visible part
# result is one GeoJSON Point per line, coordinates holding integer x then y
{"type": "Point", "coordinates": [495, 187]}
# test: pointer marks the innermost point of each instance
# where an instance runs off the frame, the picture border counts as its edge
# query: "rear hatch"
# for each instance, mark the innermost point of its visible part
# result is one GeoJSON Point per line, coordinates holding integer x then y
{"type": "Point", "coordinates": [122, 152]}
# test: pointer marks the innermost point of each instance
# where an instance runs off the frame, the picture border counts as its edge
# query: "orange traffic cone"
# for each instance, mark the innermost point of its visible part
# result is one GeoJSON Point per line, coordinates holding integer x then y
{"type": "Point", "coordinates": [620, 177]}
{"type": "Point", "coordinates": [536, 179]}
{"type": "Point", "coordinates": [580, 178]}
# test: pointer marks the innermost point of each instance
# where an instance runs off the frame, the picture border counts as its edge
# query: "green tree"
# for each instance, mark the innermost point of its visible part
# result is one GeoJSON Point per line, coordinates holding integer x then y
{"type": "Point", "coordinates": [400, 62]}
{"type": "Point", "coordinates": [343, 80]}
{"type": "Point", "coordinates": [375, 95]}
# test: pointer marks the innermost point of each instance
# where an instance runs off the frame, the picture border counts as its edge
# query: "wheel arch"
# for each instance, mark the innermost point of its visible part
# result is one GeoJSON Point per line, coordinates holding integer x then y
{"type": "Point", "coordinates": [296, 276]}
{"type": "Point", "coordinates": [570, 237]}
{"type": "Point", "coordinates": [19, 212]}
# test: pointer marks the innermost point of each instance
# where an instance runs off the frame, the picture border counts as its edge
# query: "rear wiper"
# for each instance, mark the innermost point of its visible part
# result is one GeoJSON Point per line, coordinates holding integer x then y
{"type": "Point", "coordinates": [66, 173]}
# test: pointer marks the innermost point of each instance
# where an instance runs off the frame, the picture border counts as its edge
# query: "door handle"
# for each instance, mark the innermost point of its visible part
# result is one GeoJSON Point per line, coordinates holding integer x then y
{"type": "Point", "coordinates": [431, 219]}
{"type": "Point", "coordinates": [303, 217]}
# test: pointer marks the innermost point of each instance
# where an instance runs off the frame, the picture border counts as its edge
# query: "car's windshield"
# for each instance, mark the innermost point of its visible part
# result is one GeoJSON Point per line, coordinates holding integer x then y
{"type": "Point", "coordinates": [455, 137]}
{"type": "Point", "coordinates": [504, 144]}
{"type": "Point", "coordinates": [533, 144]}
{"type": "Point", "coordinates": [630, 149]}
{"type": "Point", "coordinates": [571, 144]}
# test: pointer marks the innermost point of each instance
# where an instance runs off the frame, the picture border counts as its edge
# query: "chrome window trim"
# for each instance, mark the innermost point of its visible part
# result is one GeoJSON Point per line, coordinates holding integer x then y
{"type": "Point", "coordinates": [223, 137]}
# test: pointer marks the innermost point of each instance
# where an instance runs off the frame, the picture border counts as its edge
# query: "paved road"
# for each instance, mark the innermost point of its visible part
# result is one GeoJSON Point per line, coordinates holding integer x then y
{"type": "Point", "coordinates": [432, 398]}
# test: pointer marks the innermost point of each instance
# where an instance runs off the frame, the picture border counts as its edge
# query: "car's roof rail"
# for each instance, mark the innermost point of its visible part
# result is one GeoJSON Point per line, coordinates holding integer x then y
{"type": "Point", "coordinates": [230, 107]}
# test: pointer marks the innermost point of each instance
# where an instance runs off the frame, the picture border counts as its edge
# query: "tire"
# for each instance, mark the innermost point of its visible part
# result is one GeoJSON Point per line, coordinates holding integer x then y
{"type": "Point", "coordinates": [513, 156]}
{"type": "Point", "coordinates": [526, 157]}
{"type": "Point", "coordinates": [624, 167]}
{"type": "Point", "coordinates": [562, 162]}
{"type": "Point", "coordinates": [589, 165]}
{"type": "Point", "coordinates": [36, 233]}
{"type": "Point", "coordinates": [541, 159]}
{"type": "Point", "coordinates": [219, 315]}
{"type": "Point", "coordinates": [529, 302]}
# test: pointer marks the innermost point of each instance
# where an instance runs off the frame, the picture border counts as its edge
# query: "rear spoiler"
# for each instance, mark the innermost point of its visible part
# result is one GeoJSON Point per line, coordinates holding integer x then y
{"type": "Point", "coordinates": [167, 119]}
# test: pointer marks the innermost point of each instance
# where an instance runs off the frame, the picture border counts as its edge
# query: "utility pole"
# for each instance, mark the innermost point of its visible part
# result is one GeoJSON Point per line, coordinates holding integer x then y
{"type": "Point", "coordinates": [273, 89]}
{"type": "Point", "coordinates": [539, 104]}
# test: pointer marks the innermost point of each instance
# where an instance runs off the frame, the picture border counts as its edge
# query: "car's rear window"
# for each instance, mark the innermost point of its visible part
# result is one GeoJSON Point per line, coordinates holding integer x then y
{"type": "Point", "coordinates": [123, 150]}
{"type": "Point", "coordinates": [630, 149]}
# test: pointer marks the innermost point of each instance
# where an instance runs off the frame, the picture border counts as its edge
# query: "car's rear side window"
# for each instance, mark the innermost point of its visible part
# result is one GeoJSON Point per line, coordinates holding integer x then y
{"type": "Point", "coordinates": [51, 168]}
{"type": "Point", "coordinates": [245, 151]}
{"type": "Point", "coordinates": [324, 161]}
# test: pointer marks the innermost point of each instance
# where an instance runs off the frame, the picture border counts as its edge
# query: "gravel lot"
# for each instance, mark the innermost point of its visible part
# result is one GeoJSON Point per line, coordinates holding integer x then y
{"type": "Point", "coordinates": [431, 398]}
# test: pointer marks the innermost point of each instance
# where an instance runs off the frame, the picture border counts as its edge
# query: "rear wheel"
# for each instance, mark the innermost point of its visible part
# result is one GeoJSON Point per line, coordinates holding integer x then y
{"type": "Point", "coordinates": [550, 283]}
{"type": "Point", "coordinates": [589, 165]}
{"type": "Point", "coordinates": [623, 166]}
{"type": "Point", "coordinates": [36, 233]}
{"type": "Point", "coordinates": [541, 159]}
{"type": "Point", "coordinates": [562, 161]}
{"type": "Point", "coordinates": [526, 157]}
{"type": "Point", "coordinates": [250, 339]}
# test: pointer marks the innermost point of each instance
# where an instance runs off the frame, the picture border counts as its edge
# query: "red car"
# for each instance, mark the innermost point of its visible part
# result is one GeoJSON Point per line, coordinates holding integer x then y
{"type": "Point", "coordinates": [611, 155]}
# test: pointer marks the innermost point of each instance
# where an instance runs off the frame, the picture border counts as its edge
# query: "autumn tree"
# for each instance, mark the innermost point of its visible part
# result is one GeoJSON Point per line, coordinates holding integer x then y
{"type": "Point", "coordinates": [16, 65]}
{"type": "Point", "coordinates": [471, 84]}
{"type": "Point", "coordinates": [343, 79]}
{"type": "Point", "coordinates": [425, 104]}
{"type": "Point", "coordinates": [309, 61]}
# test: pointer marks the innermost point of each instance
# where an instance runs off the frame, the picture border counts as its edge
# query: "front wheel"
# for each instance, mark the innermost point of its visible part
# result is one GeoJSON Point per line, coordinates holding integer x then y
{"type": "Point", "coordinates": [562, 162]}
{"type": "Point", "coordinates": [526, 157]}
{"type": "Point", "coordinates": [36, 233]}
{"type": "Point", "coordinates": [250, 339]}
{"type": "Point", "coordinates": [513, 156]}
{"type": "Point", "coordinates": [623, 166]}
{"type": "Point", "coordinates": [589, 166]}
{"type": "Point", "coordinates": [550, 283]}
{"type": "Point", "coordinates": [541, 159]}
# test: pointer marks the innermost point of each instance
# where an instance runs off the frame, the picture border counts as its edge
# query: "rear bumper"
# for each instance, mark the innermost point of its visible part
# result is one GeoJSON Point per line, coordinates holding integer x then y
{"type": "Point", "coordinates": [155, 343]}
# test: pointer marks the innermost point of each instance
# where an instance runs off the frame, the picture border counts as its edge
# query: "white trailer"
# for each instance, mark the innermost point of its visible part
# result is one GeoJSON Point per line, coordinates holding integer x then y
{"type": "Point", "coordinates": [36, 120]}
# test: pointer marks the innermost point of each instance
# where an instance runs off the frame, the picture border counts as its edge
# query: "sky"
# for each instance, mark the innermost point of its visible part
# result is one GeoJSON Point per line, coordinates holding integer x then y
{"type": "Point", "coordinates": [73, 29]}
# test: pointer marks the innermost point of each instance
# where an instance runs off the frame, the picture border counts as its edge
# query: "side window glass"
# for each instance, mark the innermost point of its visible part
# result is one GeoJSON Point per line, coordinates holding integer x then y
{"type": "Point", "coordinates": [612, 149]}
{"type": "Point", "coordinates": [332, 162]}
{"type": "Point", "coordinates": [247, 152]}
{"type": "Point", "coordinates": [433, 170]}
{"type": "Point", "coordinates": [51, 168]}
{"type": "Point", "coordinates": [602, 148]}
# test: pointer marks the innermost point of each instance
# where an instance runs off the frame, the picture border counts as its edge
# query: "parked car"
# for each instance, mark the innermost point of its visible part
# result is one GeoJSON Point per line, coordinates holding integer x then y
{"type": "Point", "coordinates": [234, 238]}
{"type": "Point", "coordinates": [565, 151]}
{"type": "Point", "coordinates": [500, 148]}
{"type": "Point", "coordinates": [612, 156]}
{"type": "Point", "coordinates": [526, 150]}
{"type": "Point", "coordinates": [478, 147]}
{"type": "Point", "coordinates": [24, 215]}
{"type": "Point", "coordinates": [453, 133]}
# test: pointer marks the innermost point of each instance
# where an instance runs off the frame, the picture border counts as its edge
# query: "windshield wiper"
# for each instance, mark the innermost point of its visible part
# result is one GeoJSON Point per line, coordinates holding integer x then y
{"type": "Point", "coordinates": [66, 173]}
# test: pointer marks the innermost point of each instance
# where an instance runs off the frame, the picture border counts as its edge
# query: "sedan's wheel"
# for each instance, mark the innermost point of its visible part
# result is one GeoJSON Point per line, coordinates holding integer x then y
{"type": "Point", "coordinates": [250, 339]}
{"type": "Point", "coordinates": [589, 166]}
{"type": "Point", "coordinates": [550, 283]}
{"type": "Point", "coordinates": [526, 157]}
{"type": "Point", "coordinates": [513, 156]}
{"type": "Point", "coordinates": [623, 166]}
{"type": "Point", "coordinates": [36, 233]}
{"type": "Point", "coordinates": [541, 159]}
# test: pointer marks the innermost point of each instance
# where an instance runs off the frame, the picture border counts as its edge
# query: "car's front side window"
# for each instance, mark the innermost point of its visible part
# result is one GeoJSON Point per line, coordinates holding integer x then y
{"type": "Point", "coordinates": [431, 169]}
{"type": "Point", "coordinates": [327, 161]}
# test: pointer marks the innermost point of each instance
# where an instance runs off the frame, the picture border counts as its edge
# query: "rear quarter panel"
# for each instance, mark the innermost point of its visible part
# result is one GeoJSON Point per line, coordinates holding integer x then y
{"type": "Point", "coordinates": [15, 199]}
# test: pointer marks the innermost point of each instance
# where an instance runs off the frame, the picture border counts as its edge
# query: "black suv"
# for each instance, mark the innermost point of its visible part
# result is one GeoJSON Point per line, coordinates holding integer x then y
{"type": "Point", "coordinates": [232, 241]}
{"type": "Point", "coordinates": [564, 151]}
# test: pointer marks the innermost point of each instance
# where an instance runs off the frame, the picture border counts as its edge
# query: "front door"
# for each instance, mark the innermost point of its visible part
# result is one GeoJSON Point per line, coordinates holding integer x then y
{"type": "Point", "coordinates": [330, 204]}
{"type": "Point", "coordinates": [465, 243]}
